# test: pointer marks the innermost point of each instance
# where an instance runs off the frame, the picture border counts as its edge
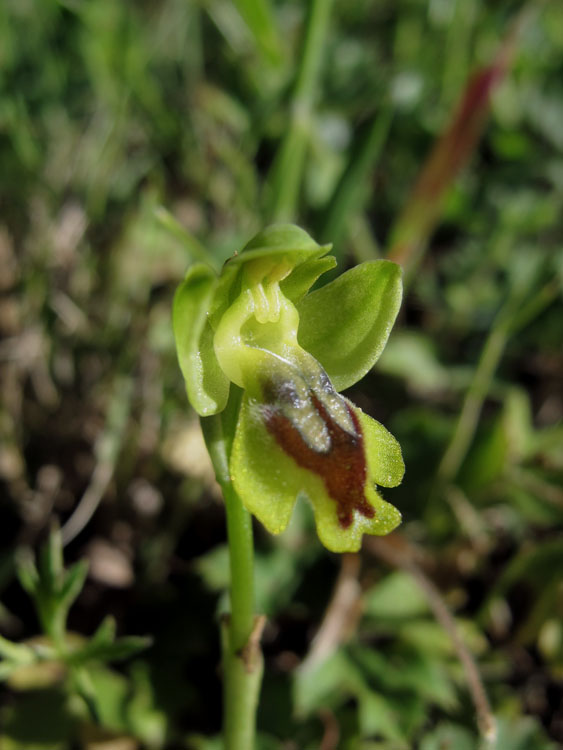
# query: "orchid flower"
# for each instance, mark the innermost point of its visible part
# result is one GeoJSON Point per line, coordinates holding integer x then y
{"type": "Point", "coordinates": [258, 326]}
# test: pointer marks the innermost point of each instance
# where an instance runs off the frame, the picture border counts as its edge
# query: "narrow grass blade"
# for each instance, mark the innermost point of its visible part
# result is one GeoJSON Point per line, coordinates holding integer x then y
{"type": "Point", "coordinates": [450, 154]}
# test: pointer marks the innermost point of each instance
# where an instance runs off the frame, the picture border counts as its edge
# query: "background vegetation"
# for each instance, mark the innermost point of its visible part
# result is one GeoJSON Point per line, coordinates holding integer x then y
{"type": "Point", "coordinates": [135, 136]}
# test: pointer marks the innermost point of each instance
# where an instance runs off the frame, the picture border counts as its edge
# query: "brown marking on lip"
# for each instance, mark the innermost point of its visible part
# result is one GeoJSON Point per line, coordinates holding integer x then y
{"type": "Point", "coordinates": [342, 468]}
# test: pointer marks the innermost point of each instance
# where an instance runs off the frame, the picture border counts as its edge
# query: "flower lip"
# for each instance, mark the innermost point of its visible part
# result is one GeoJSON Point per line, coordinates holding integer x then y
{"type": "Point", "coordinates": [339, 461]}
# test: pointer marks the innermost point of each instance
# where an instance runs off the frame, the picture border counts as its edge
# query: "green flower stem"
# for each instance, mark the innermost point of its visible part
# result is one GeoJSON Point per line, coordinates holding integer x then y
{"type": "Point", "coordinates": [290, 160]}
{"type": "Point", "coordinates": [241, 557]}
{"type": "Point", "coordinates": [242, 674]}
{"type": "Point", "coordinates": [240, 632]}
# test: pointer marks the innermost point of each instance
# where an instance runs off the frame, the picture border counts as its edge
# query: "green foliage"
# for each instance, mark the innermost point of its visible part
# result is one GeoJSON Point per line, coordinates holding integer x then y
{"type": "Point", "coordinates": [52, 588]}
{"type": "Point", "coordinates": [61, 657]}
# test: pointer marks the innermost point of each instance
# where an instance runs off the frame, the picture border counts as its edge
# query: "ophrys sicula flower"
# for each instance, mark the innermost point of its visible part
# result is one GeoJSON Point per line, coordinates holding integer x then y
{"type": "Point", "coordinates": [258, 326]}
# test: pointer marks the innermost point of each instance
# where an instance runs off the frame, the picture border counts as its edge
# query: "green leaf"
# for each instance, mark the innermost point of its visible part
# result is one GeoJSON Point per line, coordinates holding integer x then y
{"type": "Point", "coordinates": [261, 21]}
{"type": "Point", "coordinates": [122, 648]}
{"type": "Point", "coordinates": [73, 582]}
{"type": "Point", "coordinates": [428, 679]}
{"type": "Point", "coordinates": [15, 652]}
{"type": "Point", "coordinates": [126, 704]}
{"type": "Point", "coordinates": [206, 384]}
{"type": "Point", "coordinates": [396, 596]}
{"type": "Point", "coordinates": [449, 736]}
{"type": "Point", "coordinates": [188, 241]}
{"type": "Point", "coordinates": [13, 656]}
{"type": "Point", "coordinates": [104, 647]}
{"type": "Point", "coordinates": [405, 670]}
{"type": "Point", "coordinates": [346, 324]}
{"type": "Point", "coordinates": [105, 632]}
{"type": "Point", "coordinates": [412, 356]}
{"type": "Point", "coordinates": [537, 564]}
{"type": "Point", "coordinates": [427, 636]}
{"type": "Point", "coordinates": [108, 693]}
{"type": "Point", "coordinates": [147, 719]}
{"type": "Point", "coordinates": [327, 684]}
{"type": "Point", "coordinates": [26, 571]}
{"type": "Point", "coordinates": [52, 588]}
{"type": "Point", "coordinates": [51, 561]}
{"type": "Point", "coordinates": [376, 716]}
{"type": "Point", "coordinates": [522, 733]}
{"type": "Point", "coordinates": [214, 568]}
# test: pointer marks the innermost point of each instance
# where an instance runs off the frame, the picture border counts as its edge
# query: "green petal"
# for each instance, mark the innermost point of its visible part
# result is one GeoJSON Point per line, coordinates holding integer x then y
{"type": "Point", "coordinates": [264, 477]}
{"type": "Point", "coordinates": [346, 324]}
{"type": "Point", "coordinates": [383, 452]}
{"type": "Point", "coordinates": [206, 384]}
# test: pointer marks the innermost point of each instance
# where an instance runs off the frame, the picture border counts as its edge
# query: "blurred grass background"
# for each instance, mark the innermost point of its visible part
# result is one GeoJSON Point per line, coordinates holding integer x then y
{"type": "Point", "coordinates": [137, 136]}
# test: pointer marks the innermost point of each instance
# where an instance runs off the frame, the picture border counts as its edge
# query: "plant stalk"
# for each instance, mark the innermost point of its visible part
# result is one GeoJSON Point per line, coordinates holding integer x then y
{"type": "Point", "coordinates": [241, 558]}
{"type": "Point", "coordinates": [241, 630]}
